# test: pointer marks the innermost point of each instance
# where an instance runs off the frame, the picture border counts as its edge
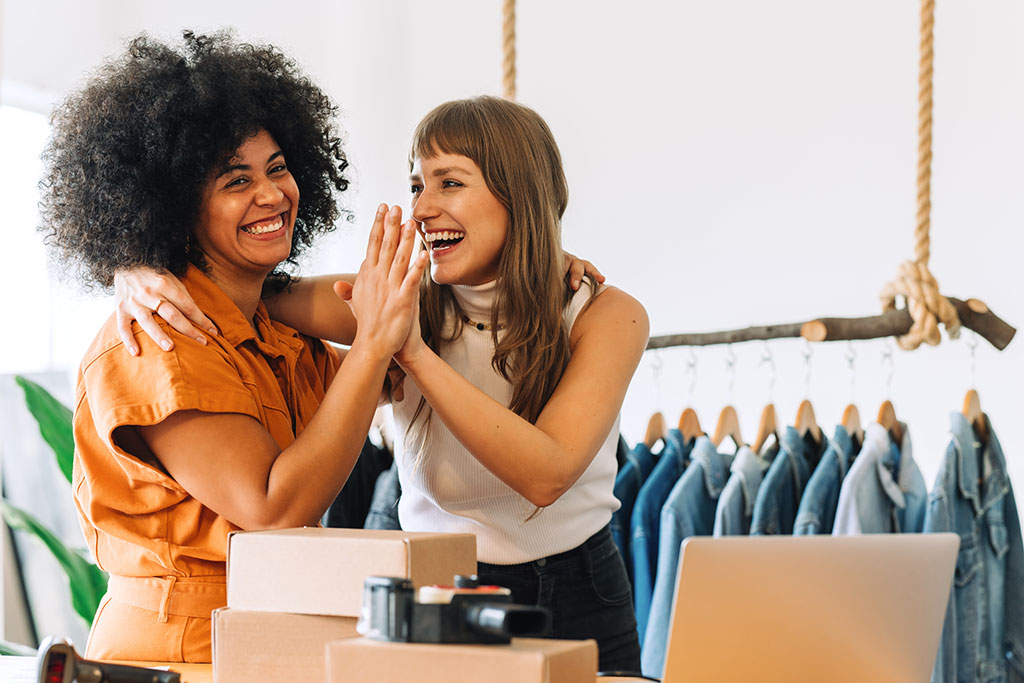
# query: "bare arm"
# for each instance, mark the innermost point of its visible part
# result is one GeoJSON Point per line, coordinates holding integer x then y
{"type": "Point", "coordinates": [231, 463]}
{"type": "Point", "coordinates": [312, 306]}
{"type": "Point", "coordinates": [607, 342]}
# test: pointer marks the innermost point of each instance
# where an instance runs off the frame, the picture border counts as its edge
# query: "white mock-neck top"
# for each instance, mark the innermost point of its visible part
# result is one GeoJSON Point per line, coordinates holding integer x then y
{"type": "Point", "coordinates": [452, 492]}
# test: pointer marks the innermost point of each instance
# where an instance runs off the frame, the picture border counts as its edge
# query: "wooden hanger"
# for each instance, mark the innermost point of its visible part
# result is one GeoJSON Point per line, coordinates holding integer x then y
{"type": "Point", "coordinates": [728, 425]}
{"type": "Point", "coordinates": [655, 429]}
{"type": "Point", "coordinates": [972, 411]}
{"type": "Point", "coordinates": [767, 426]}
{"type": "Point", "coordinates": [887, 418]}
{"type": "Point", "coordinates": [689, 425]}
{"type": "Point", "coordinates": [851, 422]}
{"type": "Point", "coordinates": [806, 422]}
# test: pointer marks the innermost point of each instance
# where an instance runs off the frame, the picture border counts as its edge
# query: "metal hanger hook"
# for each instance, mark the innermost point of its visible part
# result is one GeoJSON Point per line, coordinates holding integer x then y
{"type": "Point", "coordinates": [691, 370]}
{"type": "Point", "coordinates": [807, 352]}
{"type": "Point", "coordinates": [972, 345]}
{"type": "Point", "coordinates": [890, 362]}
{"type": "Point", "coordinates": [730, 368]}
{"type": "Point", "coordinates": [657, 363]}
{"type": "Point", "coordinates": [769, 359]}
{"type": "Point", "coordinates": [851, 358]}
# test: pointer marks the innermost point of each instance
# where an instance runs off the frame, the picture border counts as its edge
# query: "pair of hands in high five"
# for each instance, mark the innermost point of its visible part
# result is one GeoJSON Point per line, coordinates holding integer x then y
{"type": "Point", "coordinates": [384, 297]}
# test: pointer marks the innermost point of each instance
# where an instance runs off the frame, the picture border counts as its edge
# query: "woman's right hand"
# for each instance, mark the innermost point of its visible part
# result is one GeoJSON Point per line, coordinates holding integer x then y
{"type": "Point", "coordinates": [142, 291]}
{"type": "Point", "coordinates": [386, 292]}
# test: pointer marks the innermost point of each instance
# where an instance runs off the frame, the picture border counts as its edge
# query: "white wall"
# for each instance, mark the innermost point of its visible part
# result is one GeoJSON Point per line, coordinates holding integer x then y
{"type": "Point", "coordinates": [730, 163]}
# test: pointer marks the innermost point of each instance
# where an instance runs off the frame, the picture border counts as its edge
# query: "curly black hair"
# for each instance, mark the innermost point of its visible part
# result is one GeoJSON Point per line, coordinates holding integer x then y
{"type": "Point", "coordinates": [129, 154]}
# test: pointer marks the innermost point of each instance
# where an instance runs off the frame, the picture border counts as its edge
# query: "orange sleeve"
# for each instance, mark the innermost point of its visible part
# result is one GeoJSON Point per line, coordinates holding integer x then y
{"type": "Point", "coordinates": [125, 390]}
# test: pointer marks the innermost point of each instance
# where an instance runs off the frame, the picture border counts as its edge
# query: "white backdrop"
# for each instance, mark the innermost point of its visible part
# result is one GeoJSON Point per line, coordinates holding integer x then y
{"type": "Point", "coordinates": [730, 163]}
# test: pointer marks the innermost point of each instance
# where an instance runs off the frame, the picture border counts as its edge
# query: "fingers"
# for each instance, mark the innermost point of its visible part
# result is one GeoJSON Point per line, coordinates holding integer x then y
{"type": "Point", "coordinates": [152, 328]}
{"type": "Point", "coordinates": [392, 235]}
{"type": "Point", "coordinates": [400, 264]}
{"type": "Point", "coordinates": [575, 267]}
{"type": "Point", "coordinates": [343, 290]}
{"type": "Point", "coordinates": [175, 319]}
{"type": "Point", "coordinates": [410, 287]}
{"type": "Point", "coordinates": [376, 234]}
{"type": "Point", "coordinates": [124, 330]}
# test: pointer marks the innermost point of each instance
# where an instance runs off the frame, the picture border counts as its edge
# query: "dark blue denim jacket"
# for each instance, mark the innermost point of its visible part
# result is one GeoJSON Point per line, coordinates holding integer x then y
{"type": "Point", "coordinates": [779, 493]}
{"type": "Point", "coordinates": [688, 511]}
{"type": "Point", "coordinates": [736, 504]}
{"type": "Point", "coordinates": [817, 509]}
{"type": "Point", "coordinates": [884, 491]}
{"type": "Point", "coordinates": [983, 637]}
{"type": "Point", "coordinates": [646, 522]}
{"type": "Point", "coordinates": [639, 463]}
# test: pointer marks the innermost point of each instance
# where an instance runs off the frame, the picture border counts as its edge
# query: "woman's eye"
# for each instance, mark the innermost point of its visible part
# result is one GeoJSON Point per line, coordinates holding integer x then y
{"type": "Point", "coordinates": [278, 168]}
{"type": "Point", "coordinates": [235, 182]}
{"type": "Point", "coordinates": [416, 189]}
{"type": "Point", "coordinates": [451, 183]}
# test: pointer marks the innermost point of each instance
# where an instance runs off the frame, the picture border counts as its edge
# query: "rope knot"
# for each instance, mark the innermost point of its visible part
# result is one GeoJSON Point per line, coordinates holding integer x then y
{"type": "Point", "coordinates": [927, 306]}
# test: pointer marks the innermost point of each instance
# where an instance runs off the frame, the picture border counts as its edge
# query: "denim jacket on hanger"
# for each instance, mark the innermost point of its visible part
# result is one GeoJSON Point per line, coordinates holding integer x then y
{"type": "Point", "coordinates": [817, 510]}
{"type": "Point", "coordinates": [646, 522]}
{"type": "Point", "coordinates": [779, 493]}
{"type": "Point", "coordinates": [689, 510]}
{"type": "Point", "coordinates": [639, 463]}
{"type": "Point", "coordinates": [735, 506]}
{"type": "Point", "coordinates": [983, 636]}
{"type": "Point", "coordinates": [884, 491]}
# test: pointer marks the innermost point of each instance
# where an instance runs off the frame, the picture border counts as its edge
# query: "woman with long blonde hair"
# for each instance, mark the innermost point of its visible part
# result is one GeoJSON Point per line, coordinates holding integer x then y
{"type": "Point", "coordinates": [507, 416]}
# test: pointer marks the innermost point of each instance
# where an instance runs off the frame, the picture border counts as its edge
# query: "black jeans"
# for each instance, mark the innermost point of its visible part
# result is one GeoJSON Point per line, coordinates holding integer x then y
{"type": "Point", "coordinates": [588, 593]}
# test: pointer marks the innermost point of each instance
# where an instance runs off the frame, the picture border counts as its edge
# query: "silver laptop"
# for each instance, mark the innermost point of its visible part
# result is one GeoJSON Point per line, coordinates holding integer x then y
{"type": "Point", "coordinates": [810, 608]}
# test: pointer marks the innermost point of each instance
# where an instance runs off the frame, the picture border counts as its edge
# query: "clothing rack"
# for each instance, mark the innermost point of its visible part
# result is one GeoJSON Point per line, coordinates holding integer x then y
{"type": "Point", "coordinates": [974, 315]}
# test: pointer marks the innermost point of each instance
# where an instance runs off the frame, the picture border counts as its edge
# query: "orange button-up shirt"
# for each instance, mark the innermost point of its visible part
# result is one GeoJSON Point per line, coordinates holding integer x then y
{"type": "Point", "coordinates": [138, 521]}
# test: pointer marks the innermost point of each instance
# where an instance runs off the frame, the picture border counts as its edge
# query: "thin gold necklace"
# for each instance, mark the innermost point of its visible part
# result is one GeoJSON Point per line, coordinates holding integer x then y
{"type": "Point", "coordinates": [480, 326]}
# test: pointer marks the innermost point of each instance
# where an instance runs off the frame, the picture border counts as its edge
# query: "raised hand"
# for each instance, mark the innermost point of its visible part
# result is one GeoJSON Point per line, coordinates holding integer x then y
{"type": "Point", "coordinates": [385, 295]}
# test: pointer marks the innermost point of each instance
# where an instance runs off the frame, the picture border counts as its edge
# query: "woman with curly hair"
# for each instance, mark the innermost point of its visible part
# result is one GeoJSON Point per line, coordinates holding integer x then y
{"type": "Point", "coordinates": [218, 162]}
{"type": "Point", "coordinates": [508, 415]}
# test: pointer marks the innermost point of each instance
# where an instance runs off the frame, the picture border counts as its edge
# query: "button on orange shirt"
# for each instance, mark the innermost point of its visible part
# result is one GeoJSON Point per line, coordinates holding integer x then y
{"type": "Point", "coordinates": [164, 549]}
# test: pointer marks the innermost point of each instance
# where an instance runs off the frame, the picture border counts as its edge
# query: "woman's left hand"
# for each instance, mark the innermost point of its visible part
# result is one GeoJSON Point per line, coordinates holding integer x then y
{"type": "Point", "coordinates": [576, 268]}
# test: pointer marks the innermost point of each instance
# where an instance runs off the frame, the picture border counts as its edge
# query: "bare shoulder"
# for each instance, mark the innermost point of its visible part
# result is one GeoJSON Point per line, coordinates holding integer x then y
{"type": "Point", "coordinates": [613, 312]}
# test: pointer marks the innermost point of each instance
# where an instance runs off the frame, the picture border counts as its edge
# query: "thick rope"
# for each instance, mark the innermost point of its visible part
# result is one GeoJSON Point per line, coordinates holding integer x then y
{"type": "Point", "coordinates": [915, 282]}
{"type": "Point", "coordinates": [508, 45]}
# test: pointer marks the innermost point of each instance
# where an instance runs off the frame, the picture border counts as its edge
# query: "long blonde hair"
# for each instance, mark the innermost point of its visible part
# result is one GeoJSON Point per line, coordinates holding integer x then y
{"type": "Point", "coordinates": [522, 167]}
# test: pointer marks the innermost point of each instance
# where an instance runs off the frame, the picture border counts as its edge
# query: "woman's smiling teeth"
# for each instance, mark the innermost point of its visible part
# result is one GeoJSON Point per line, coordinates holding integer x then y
{"type": "Point", "coordinates": [443, 239]}
{"type": "Point", "coordinates": [261, 227]}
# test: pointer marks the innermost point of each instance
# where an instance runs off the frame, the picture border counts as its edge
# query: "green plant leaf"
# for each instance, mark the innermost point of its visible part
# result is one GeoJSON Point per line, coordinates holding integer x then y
{"type": "Point", "coordinates": [88, 582]}
{"type": "Point", "coordinates": [54, 420]}
{"type": "Point", "coordinates": [16, 649]}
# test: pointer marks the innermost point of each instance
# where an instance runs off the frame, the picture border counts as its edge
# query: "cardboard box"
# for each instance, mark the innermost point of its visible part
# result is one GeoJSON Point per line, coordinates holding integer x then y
{"type": "Point", "coordinates": [321, 571]}
{"type": "Point", "coordinates": [273, 647]}
{"type": "Point", "coordinates": [526, 660]}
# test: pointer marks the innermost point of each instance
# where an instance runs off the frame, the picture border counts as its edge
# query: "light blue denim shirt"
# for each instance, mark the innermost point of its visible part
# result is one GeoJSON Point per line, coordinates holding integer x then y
{"type": "Point", "coordinates": [645, 524]}
{"type": "Point", "coordinates": [736, 504]}
{"type": "Point", "coordinates": [689, 510]}
{"type": "Point", "coordinates": [779, 493]}
{"type": "Point", "coordinates": [884, 491]}
{"type": "Point", "coordinates": [817, 509]}
{"type": "Point", "coordinates": [983, 637]}
{"type": "Point", "coordinates": [639, 463]}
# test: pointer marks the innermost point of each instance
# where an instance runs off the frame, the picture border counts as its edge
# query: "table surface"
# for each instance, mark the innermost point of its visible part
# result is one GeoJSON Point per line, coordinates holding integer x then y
{"type": "Point", "coordinates": [23, 670]}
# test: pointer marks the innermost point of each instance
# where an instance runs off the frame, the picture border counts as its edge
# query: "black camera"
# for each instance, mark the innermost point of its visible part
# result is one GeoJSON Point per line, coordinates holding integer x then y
{"type": "Point", "coordinates": [463, 613]}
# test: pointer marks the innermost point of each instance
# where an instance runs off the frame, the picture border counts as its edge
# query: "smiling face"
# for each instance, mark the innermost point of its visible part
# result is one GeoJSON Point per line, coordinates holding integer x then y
{"type": "Point", "coordinates": [248, 211]}
{"type": "Point", "coordinates": [463, 224]}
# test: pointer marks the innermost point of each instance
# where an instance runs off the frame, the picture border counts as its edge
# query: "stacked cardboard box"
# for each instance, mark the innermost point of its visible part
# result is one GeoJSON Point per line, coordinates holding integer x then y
{"type": "Point", "coordinates": [292, 591]}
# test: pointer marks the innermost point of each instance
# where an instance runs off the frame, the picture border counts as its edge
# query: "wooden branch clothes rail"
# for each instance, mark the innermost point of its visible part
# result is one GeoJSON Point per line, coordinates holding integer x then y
{"type": "Point", "coordinates": [974, 315]}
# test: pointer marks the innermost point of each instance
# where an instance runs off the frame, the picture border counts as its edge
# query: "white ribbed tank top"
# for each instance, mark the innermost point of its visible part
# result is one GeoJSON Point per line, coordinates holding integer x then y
{"type": "Point", "coordinates": [452, 492]}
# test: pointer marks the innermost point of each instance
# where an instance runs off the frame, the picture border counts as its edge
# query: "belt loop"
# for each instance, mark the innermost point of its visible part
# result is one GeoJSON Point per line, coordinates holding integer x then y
{"type": "Point", "coordinates": [165, 599]}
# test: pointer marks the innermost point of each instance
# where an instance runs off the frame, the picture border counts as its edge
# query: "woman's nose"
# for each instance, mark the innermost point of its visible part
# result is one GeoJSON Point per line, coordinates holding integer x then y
{"type": "Point", "coordinates": [268, 193]}
{"type": "Point", "coordinates": [423, 206]}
